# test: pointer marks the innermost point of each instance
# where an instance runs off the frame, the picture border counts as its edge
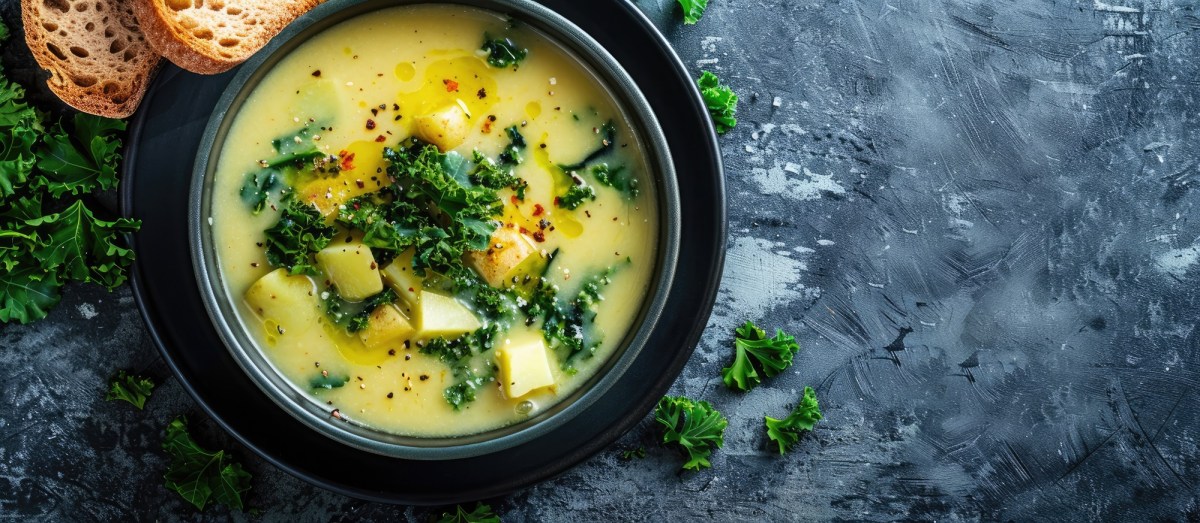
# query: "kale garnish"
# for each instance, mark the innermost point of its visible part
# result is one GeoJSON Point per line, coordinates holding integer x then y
{"type": "Point", "coordinates": [297, 236]}
{"type": "Point", "coordinates": [502, 52]}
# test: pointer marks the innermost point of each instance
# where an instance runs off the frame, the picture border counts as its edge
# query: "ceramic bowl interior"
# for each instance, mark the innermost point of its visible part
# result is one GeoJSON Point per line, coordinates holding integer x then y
{"type": "Point", "coordinates": [221, 306]}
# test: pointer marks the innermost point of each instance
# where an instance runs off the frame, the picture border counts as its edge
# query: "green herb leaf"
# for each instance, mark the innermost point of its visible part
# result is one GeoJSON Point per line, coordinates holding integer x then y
{"type": "Point", "coordinates": [355, 316]}
{"type": "Point", "coordinates": [297, 236]}
{"type": "Point", "coordinates": [692, 426]}
{"type": "Point", "coordinates": [608, 140]}
{"type": "Point", "coordinates": [199, 475]}
{"type": "Point", "coordinates": [27, 293]}
{"type": "Point", "coordinates": [502, 52]}
{"type": "Point", "coordinates": [40, 249]}
{"type": "Point", "coordinates": [618, 178]}
{"type": "Point", "coordinates": [693, 10]}
{"type": "Point", "coordinates": [786, 432]}
{"type": "Point", "coordinates": [22, 127]}
{"type": "Point", "coordinates": [82, 247]}
{"type": "Point", "coordinates": [755, 353]}
{"type": "Point", "coordinates": [632, 454]}
{"type": "Point", "coordinates": [83, 160]}
{"type": "Point", "coordinates": [576, 195]}
{"type": "Point", "coordinates": [480, 514]}
{"type": "Point", "coordinates": [328, 380]}
{"type": "Point", "coordinates": [720, 100]}
{"type": "Point", "coordinates": [128, 387]}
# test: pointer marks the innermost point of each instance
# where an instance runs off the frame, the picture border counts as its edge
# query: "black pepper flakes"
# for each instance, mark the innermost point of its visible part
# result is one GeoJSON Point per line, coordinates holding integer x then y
{"type": "Point", "coordinates": [370, 124]}
{"type": "Point", "coordinates": [316, 73]}
{"type": "Point", "coordinates": [482, 93]}
{"type": "Point", "coordinates": [390, 395]}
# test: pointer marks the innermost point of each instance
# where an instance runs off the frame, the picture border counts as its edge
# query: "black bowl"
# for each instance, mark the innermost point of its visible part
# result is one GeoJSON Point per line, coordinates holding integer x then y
{"type": "Point", "coordinates": [164, 139]}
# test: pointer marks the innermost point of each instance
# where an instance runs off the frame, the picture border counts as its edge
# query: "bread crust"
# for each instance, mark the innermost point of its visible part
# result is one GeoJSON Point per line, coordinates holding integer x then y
{"type": "Point", "coordinates": [190, 38]}
{"type": "Point", "coordinates": [98, 61]}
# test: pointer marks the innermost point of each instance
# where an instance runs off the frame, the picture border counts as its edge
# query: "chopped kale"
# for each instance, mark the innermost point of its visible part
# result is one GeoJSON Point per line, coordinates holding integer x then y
{"type": "Point", "coordinates": [618, 178]}
{"type": "Point", "coordinates": [576, 195]}
{"type": "Point", "coordinates": [328, 380]}
{"type": "Point", "coordinates": [502, 52]}
{"type": "Point", "coordinates": [297, 236]}
{"type": "Point", "coordinates": [608, 139]}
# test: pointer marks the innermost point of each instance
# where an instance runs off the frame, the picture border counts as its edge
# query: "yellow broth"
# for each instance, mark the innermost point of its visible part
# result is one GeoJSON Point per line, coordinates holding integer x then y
{"type": "Point", "coordinates": [408, 61]}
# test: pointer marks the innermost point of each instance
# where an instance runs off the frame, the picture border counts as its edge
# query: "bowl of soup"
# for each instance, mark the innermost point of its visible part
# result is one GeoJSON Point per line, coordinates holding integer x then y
{"type": "Point", "coordinates": [434, 230]}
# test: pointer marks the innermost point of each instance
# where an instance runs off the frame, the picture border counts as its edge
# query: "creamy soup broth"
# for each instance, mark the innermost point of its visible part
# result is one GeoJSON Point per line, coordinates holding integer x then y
{"type": "Point", "coordinates": [363, 85]}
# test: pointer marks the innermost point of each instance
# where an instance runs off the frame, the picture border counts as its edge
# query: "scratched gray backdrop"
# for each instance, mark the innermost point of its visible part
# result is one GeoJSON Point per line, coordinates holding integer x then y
{"type": "Point", "coordinates": [975, 216]}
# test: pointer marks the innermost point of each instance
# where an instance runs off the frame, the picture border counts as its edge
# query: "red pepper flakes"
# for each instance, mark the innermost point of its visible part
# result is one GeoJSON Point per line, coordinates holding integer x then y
{"type": "Point", "coordinates": [514, 200]}
{"type": "Point", "coordinates": [557, 201]}
{"type": "Point", "coordinates": [381, 138]}
{"type": "Point", "coordinates": [487, 127]}
{"type": "Point", "coordinates": [538, 209]}
{"type": "Point", "coordinates": [360, 184]}
{"type": "Point", "coordinates": [370, 124]}
{"type": "Point", "coordinates": [347, 160]}
{"type": "Point", "coordinates": [451, 85]}
{"type": "Point", "coordinates": [539, 236]}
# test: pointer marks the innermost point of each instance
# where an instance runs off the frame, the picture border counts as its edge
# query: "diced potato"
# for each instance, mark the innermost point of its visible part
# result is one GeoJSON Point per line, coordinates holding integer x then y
{"type": "Point", "coordinates": [440, 315]}
{"type": "Point", "coordinates": [352, 269]}
{"type": "Point", "coordinates": [363, 160]}
{"type": "Point", "coordinates": [288, 302]}
{"type": "Point", "coordinates": [386, 326]}
{"type": "Point", "coordinates": [400, 276]}
{"type": "Point", "coordinates": [446, 127]}
{"type": "Point", "coordinates": [524, 367]}
{"type": "Point", "coordinates": [509, 254]}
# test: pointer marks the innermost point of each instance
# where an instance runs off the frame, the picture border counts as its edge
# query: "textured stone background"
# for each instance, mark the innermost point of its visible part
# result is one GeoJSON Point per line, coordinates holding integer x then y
{"type": "Point", "coordinates": [975, 215]}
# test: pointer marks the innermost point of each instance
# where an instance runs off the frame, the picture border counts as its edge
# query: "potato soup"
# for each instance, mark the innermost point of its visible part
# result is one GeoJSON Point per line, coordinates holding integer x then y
{"type": "Point", "coordinates": [435, 221]}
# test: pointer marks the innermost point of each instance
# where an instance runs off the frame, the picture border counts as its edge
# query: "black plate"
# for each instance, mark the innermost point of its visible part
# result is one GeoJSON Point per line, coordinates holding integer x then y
{"type": "Point", "coordinates": [158, 169]}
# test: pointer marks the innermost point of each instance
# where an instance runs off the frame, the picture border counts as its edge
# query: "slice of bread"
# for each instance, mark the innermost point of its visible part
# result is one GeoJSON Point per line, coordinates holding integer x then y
{"type": "Point", "coordinates": [213, 36]}
{"type": "Point", "coordinates": [98, 61]}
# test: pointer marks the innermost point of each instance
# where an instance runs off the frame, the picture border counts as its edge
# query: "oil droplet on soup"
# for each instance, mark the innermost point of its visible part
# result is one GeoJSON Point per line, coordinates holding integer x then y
{"type": "Point", "coordinates": [435, 220]}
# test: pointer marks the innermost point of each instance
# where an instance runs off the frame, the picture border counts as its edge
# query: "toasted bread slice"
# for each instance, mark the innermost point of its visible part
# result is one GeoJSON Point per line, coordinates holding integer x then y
{"type": "Point", "coordinates": [213, 36]}
{"type": "Point", "coordinates": [98, 61]}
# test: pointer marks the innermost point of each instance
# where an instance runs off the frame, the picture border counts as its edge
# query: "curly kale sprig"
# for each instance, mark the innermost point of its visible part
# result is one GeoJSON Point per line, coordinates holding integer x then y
{"type": "Point", "coordinates": [756, 353]}
{"type": "Point", "coordinates": [786, 432]}
{"type": "Point", "coordinates": [692, 426]}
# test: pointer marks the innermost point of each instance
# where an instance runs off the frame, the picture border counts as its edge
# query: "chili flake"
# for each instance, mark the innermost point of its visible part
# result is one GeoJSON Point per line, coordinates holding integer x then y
{"type": "Point", "coordinates": [451, 85]}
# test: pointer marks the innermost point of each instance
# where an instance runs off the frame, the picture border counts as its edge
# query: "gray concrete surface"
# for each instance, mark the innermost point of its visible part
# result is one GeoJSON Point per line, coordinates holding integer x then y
{"type": "Point", "coordinates": [1013, 181]}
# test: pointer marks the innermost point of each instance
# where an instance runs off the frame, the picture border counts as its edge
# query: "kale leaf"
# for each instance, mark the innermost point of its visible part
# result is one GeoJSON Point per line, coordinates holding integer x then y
{"type": "Point", "coordinates": [608, 140]}
{"type": "Point", "coordinates": [297, 236]}
{"type": "Point", "coordinates": [516, 142]}
{"type": "Point", "coordinates": [128, 387]}
{"type": "Point", "coordinates": [567, 324]}
{"type": "Point", "coordinates": [576, 195]}
{"type": "Point", "coordinates": [754, 352]}
{"type": "Point", "coordinates": [720, 100]}
{"type": "Point", "coordinates": [693, 427]}
{"type": "Point", "coordinates": [692, 10]}
{"type": "Point", "coordinates": [618, 178]}
{"type": "Point", "coordinates": [354, 316]}
{"type": "Point", "coordinates": [200, 475]}
{"type": "Point", "coordinates": [328, 380]}
{"type": "Point", "coordinates": [786, 432]}
{"type": "Point", "coordinates": [464, 212]}
{"type": "Point", "coordinates": [82, 160]}
{"type": "Point", "coordinates": [82, 247]}
{"type": "Point", "coordinates": [502, 52]}
{"type": "Point", "coordinates": [480, 514]}
{"type": "Point", "coordinates": [48, 236]}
